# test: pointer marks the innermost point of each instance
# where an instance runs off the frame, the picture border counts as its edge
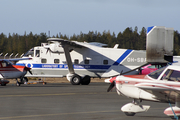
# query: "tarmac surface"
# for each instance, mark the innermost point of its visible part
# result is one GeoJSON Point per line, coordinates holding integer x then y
{"type": "Point", "coordinates": [63, 101]}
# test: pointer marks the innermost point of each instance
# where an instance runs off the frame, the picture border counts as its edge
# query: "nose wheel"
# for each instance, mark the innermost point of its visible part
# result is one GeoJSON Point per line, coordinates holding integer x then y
{"type": "Point", "coordinates": [23, 80]}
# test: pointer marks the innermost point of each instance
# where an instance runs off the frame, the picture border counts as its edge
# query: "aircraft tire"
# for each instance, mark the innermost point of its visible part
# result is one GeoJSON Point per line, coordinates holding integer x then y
{"type": "Point", "coordinates": [130, 113]}
{"type": "Point", "coordinates": [86, 80]}
{"type": "Point", "coordinates": [75, 80]}
{"type": "Point", "coordinates": [17, 83]}
{"type": "Point", "coordinates": [25, 79]}
{"type": "Point", "coordinates": [3, 84]}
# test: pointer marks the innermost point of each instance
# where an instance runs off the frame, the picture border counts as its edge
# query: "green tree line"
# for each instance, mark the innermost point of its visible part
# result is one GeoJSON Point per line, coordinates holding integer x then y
{"type": "Point", "coordinates": [128, 39]}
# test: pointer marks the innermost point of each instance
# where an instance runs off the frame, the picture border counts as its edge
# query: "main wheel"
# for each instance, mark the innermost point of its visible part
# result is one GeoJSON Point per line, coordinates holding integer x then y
{"type": "Point", "coordinates": [86, 80]}
{"type": "Point", "coordinates": [75, 80]}
{"type": "Point", "coordinates": [130, 113]}
{"type": "Point", "coordinates": [3, 84]}
{"type": "Point", "coordinates": [17, 83]}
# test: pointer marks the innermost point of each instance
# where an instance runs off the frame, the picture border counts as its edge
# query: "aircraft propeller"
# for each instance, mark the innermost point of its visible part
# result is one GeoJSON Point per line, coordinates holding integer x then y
{"type": "Point", "coordinates": [111, 86]}
{"type": "Point", "coordinates": [28, 69]}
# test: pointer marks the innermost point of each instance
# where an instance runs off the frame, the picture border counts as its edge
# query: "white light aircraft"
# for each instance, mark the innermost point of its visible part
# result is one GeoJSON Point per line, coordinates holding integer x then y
{"type": "Point", "coordinates": [162, 85]}
{"type": "Point", "coordinates": [81, 61]}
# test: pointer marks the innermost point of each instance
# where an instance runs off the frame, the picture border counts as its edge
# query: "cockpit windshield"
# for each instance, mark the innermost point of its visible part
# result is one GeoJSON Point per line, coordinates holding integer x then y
{"type": "Point", "coordinates": [156, 73]}
{"type": "Point", "coordinates": [6, 63]}
{"type": "Point", "coordinates": [29, 53]}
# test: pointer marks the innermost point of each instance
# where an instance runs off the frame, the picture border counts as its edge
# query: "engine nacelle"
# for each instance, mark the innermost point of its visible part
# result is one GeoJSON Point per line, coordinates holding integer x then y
{"type": "Point", "coordinates": [56, 48]}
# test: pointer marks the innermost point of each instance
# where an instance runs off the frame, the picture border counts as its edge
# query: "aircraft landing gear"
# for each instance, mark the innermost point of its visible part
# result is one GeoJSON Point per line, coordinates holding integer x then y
{"type": "Point", "coordinates": [130, 113]}
{"type": "Point", "coordinates": [75, 80]}
{"type": "Point", "coordinates": [23, 80]}
{"type": "Point", "coordinates": [131, 109]}
{"type": "Point", "coordinates": [86, 80]}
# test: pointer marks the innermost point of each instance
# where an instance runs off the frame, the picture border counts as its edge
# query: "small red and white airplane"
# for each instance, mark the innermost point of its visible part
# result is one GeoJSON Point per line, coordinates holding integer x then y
{"type": "Point", "coordinates": [10, 71]}
{"type": "Point", "coordinates": [162, 85]}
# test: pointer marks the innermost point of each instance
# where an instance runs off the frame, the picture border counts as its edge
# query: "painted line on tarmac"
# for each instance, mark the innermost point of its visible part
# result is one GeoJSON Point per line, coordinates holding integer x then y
{"type": "Point", "coordinates": [44, 115]}
{"type": "Point", "coordinates": [59, 94]}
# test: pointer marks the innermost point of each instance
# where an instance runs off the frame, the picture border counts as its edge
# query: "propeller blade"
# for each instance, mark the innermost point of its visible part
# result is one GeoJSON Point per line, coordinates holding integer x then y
{"type": "Point", "coordinates": [28, 69]}
{"type": "Point", "coordinates": [111, 86]}
{"type": "Point", "coordinates": [30, 72]}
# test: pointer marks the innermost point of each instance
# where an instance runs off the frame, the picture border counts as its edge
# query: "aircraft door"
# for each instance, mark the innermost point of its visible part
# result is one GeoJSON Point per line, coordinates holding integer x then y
{"type": "Point", "coordinates": [37, 56]}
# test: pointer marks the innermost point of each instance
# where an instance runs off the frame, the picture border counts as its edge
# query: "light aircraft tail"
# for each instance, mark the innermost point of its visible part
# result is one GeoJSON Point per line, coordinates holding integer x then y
{"type": "Point", "coordinates": [159, 44]}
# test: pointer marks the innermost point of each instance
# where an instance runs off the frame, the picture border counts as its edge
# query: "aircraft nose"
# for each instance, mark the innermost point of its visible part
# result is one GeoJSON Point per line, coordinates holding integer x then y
{"type": "Point", "coordinates": [112, 79]}
{"type": "Point", "coordinates": [27, 68]}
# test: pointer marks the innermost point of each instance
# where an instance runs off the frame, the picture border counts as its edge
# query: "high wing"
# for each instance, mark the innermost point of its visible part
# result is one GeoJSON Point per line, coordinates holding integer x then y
{"type": "Point", "coordinates": [161, 91]}
{"type": "Point", "coordinates": [67, 42]}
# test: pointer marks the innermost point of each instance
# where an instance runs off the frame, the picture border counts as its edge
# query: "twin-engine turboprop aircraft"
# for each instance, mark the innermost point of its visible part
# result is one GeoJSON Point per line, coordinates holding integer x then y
{"type": "Point", "coordinates": [10, 71]}
{"type": "Point", "coordinates": [162, 85]}
{"type": "Point", "coordinates": [81, 61]}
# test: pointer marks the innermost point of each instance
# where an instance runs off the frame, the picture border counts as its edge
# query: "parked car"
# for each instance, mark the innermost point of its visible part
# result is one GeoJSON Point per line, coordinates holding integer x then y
{"type": "Point", "coordinates": [150, 68]}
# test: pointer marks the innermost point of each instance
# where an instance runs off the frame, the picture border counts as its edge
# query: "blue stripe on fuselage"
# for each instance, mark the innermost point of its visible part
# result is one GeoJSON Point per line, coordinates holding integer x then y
{"type": "Point", "coordinates": [125, 54]}
{"type": "Point", "coordinates": [65, 66]}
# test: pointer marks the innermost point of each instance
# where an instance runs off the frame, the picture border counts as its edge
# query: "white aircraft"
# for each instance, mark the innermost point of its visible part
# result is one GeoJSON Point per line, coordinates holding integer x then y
{"type": "Point", "coordinates": [162, 85]}
{"type": "Point", "coordinates": [79, 61]}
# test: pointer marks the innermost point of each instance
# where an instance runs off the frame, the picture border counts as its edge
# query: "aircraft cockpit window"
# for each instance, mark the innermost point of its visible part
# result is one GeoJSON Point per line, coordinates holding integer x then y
{"type": "Point", "coordinates": [156, 73]}
{"type": "Point", "coordinates": [56, 60]}
{"type": "Point", "coordinates": [172, 75]}
{"type": "Point", "coordinates": [29, 53]}
{"type": "Point", "coordinates": [43, 60]}
{"type": "Point", "coordinates": [76, 61]}
{"type": "Point", "coordinates": [105, 62]}
{"type": "Point", "coordinates": [5, 63]}
{"type": "Point", "coordinates": [86, 61]}
{"type": "Point", "coordinates": [37, 53]}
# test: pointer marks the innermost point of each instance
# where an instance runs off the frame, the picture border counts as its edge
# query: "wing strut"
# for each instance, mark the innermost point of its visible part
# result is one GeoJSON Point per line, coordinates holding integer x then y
{"type": "Point", "coordinates": [68, 59]}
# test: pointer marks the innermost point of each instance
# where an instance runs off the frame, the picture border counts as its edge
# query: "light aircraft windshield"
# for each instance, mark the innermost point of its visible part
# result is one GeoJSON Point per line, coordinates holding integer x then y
{"type": "Point", "coordinates": [6, 63]}
{"type": "Point", "coordinates": [156, 73]}
{"type": "Point", "coordinates": [29, 53]}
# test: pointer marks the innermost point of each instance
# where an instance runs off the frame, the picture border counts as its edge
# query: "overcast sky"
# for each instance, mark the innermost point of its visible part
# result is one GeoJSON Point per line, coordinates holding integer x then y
{"type": "Point", "coordinates": [74, 16]}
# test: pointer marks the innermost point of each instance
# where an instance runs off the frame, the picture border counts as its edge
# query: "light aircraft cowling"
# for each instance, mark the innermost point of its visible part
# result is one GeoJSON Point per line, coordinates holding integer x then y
{"type": "Point", "coordinates": [10, 71]}
{"type": "Point", "coordinates": [81, 61]}
{"type": "Point", "coordinates": [162, 85]}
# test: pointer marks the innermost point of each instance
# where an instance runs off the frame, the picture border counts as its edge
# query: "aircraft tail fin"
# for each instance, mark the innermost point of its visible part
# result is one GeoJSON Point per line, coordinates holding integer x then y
{"type": "Point", "coordinates": [159, 44]}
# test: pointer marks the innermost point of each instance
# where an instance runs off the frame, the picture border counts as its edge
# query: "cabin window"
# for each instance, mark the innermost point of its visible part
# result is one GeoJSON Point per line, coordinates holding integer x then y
{"type": "Point", "coordinates": [105, 62]}
{"type": "Point", "coordinates": [76, 61]}
{"type": "Point", "coordinates": [172, 75]}
{"type": "Point", "coordinates": [86, 61]}
{"type": "Point", "coordinates": [37, 53]}
{"type": "Point", "coordinates": [4, 64]}
{"type": "Point", "coordinates": [56, 60]}
{"type": "Point", "coordinates": [43, 60]}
